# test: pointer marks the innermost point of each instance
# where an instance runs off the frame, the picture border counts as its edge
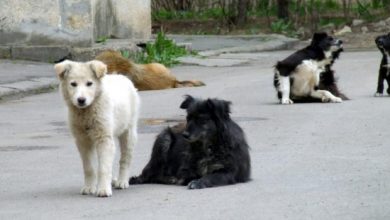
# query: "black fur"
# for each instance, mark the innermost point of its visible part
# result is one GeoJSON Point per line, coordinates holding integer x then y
{"type": "Point", "coordinates": [328, 80]}
{"type": "Point", "coordinates": [383, 44]}
{"type": "Point", "coordinates": [209, 150]}
{"type": "Point", "coordinates": [320, 43]}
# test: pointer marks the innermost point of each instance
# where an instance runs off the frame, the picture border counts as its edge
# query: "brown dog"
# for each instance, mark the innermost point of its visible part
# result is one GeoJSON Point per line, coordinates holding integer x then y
{"type": "Point", "coordinates": [152, 76]}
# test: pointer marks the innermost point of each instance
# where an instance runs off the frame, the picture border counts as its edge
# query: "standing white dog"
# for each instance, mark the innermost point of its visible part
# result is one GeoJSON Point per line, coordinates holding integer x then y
{"type": "Point", "coordinates": [101, 108]}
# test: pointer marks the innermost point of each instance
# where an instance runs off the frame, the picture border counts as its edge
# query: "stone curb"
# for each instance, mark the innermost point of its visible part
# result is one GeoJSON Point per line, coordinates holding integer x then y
{"type": "Point", "coordinates": [52, 54]}
{"type": "Point", "coordinates": [266, 46]}
{"type": "Point", "coordinates": [27, 87]}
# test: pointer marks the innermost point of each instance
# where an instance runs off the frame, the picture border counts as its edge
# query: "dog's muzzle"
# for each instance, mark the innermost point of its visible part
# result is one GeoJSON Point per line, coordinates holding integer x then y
{"type": "Point", "coordinates": [338, 43]}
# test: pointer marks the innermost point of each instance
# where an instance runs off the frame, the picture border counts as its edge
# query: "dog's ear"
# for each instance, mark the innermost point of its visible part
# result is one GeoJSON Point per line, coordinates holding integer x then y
{"type": "Point", "coordinates": [221, 108]}
{"type": "Point", "coordinates": [187, 102]}
{"type": "Point", "coordinates": [62, 68]}
{"type": "Point", "coordinates": [318, 37]}
{"type": "Point", "coordinates": [98, 67]}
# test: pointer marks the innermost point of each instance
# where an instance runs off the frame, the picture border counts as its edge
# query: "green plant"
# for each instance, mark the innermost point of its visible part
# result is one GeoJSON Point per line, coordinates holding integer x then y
{"type": "Point", "coordinates": [163, 50]}
{"type": "Point", "coordinates": [102, 39]}
{"type": "Point", "coordinates": [125, 54]}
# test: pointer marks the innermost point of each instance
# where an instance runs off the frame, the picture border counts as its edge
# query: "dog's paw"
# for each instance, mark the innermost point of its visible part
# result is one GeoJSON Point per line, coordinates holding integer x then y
{"type": "Point", "coordinates": [378, 94]}
{"type": "Point", "coordinates": [88, 190]}
{"type": "Point", "coordinates": [196, 184]}
{"type": "Point", "coordinates": [120, 184]}
{"type": "Point", "coordinates": [336, 100]}
{"type": "Point", "coordinates": [325, 99]}
{"type": "Point", "coordinates": [286, 101]}
{"type": "Point", "coordinates": [104, 192]}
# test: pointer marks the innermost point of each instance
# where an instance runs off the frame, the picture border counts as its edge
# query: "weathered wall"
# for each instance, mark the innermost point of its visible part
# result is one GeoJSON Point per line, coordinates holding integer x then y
{"type": "Point", "coordinates": [133, 19]}
{"type": "Point", "coordinates": [45, 22]}
{"type": "Point", "coordinates": [72, 22]}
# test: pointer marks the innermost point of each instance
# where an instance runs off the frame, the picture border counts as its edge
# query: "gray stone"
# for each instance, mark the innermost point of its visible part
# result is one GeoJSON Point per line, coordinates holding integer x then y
{"type": "Point", "coordinates": [364, 29]}
{"type": "Point", "coordinates": [357, 22]}
{"type": "Point", "coordinates": [346, 29]}
{"type": "Point", "coordinates": [132, 19]}
{"type": "Point", "coordinates": [72, 23]}
{"type": "Point", "coordinates": [85, 54]}
{"type": "Point", "coordinates": [46, 22]}
{"type": "Point", "coordinates": [328, 28]}
{"type": "Point", "coordinates": [40, 53]}
{"type": "Point", "coordinates": [212, 62]}
{"type": "Point", "coordinates": [380, 26]}
{"type": "Point", "coordinates": [32, 86]}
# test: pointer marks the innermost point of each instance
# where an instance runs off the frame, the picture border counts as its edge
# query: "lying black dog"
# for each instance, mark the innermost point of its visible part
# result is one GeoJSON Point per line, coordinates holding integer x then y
{"type": "Point", "coordinates": [307, 74]}
{"type": "Point", "coordinates": [383, 44]}
{"type": "Point", "coordinates": [210, 150]}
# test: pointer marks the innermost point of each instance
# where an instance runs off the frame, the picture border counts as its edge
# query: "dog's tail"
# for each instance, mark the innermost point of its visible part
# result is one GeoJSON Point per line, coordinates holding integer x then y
{"type": "Point", "coordinates": [189, 83]}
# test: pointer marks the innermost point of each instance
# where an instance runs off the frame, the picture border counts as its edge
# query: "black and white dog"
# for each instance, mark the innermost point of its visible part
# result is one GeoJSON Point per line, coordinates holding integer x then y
{"type": "Point", "coordinates": [306, 75]}
{"type": "Point", "coordinates": [383, 44]}
{"type": "Point", "coordinates": [209, 150]}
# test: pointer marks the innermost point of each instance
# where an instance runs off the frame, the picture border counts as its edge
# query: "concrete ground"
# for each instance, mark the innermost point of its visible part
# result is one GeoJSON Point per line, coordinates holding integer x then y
{"type": "Point", "coordinates": [309, 161]}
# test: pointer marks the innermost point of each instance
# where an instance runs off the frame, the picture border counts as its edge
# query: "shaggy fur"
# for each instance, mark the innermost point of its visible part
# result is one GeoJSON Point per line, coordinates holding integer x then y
{"type": "Point", "coordinates": [383, 44]}
{"type": "Point", "coordinates": [151, 76]}
{"type": "Point", "coordinates": [209, 150]}
{"type": "Point", "coordinates": [101, 108]}
{"type": "Point", "coordinates": [306, 75]}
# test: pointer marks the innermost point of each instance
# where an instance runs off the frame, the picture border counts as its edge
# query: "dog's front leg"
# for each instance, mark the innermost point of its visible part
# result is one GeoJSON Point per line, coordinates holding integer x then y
{"type": "Point", "coordinates": [127, 142]}
{"type": "Point", "coordinates": [86, 152]}
{"type": "Point", "coordinates": [211, 180]}
{"type": "Point", "coordinates": [105, 151]}
{"type": "Point", "coordinates": [381, 79]}
{"type": "Point", "coordinates": [325, 96]}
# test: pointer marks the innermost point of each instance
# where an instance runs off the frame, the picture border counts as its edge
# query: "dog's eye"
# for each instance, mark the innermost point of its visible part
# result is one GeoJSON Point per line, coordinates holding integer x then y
{"type": "Point", "coordinates": [73, 84]}
{"type": "Point", "coordinates": [89, 84]}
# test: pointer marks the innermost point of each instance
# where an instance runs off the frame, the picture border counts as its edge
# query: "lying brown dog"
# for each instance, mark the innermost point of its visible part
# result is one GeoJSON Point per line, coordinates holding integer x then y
{"type": "Point", "coordinates": [152, 76]}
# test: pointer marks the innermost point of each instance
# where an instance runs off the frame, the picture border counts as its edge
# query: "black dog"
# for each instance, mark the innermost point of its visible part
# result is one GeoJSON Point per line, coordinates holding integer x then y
{"type": "Point", "coordinates": [210, 150]}
{"type": "Point", "coordinates": [383, 44]}
{"type": "Point", "coordinates": [307, 74]}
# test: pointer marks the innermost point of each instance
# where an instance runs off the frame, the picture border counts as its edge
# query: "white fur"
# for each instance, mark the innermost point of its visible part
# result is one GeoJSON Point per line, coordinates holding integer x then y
{"type": "Point", "coordinates": [284, 88]}
{"type": "Point", "coordinates": [305, 78]}
{"type": "Point", "coordinates": [111, 111]}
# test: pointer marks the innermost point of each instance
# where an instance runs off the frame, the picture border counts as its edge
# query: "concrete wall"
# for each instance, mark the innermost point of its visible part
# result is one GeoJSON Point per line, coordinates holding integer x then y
{"type": "Point", "coordinates": [72, 22]}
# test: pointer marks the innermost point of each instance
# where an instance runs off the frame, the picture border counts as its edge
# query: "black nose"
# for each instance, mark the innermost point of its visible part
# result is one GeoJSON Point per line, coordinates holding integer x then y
{"type": "Point", "coordinates": [186, 135]}
{"type": "Point", "coordinates": [81, 101]}
{"type": "Point", "coordinates": [379, 41]}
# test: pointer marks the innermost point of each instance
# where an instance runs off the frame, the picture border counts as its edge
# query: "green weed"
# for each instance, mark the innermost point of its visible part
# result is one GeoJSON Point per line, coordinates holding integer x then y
{"type": "Point", "coordinates": [163, 51]}
{"type": "Point", "coordinates": [102, 39]}
{"type": "Point", "coordinates": [283, 27]}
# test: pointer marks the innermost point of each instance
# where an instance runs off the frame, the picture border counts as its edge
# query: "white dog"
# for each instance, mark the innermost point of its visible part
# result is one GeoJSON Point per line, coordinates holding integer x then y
{"type": "Point", "coordinates": [101, 108]}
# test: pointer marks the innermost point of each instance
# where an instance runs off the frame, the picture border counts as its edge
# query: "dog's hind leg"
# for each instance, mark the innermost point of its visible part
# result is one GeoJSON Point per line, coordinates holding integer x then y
{"type": "Point", "coordinates": [86, 152]}
{"type": "Point", "coordinates": [127, 141]}
{"type": "Point", "coordinates": [325, 96]}
{"type": "Point", "coordinates": [211, 180]}
{"type": "Point", "coordinates": [155, 170]}
{"type": "Point", "coordinates": [284, 89]}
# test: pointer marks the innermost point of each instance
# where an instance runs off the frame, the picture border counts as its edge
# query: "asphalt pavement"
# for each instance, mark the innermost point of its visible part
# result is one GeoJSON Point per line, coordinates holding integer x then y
{"type": "Point", "coordinates": [309, 161]}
